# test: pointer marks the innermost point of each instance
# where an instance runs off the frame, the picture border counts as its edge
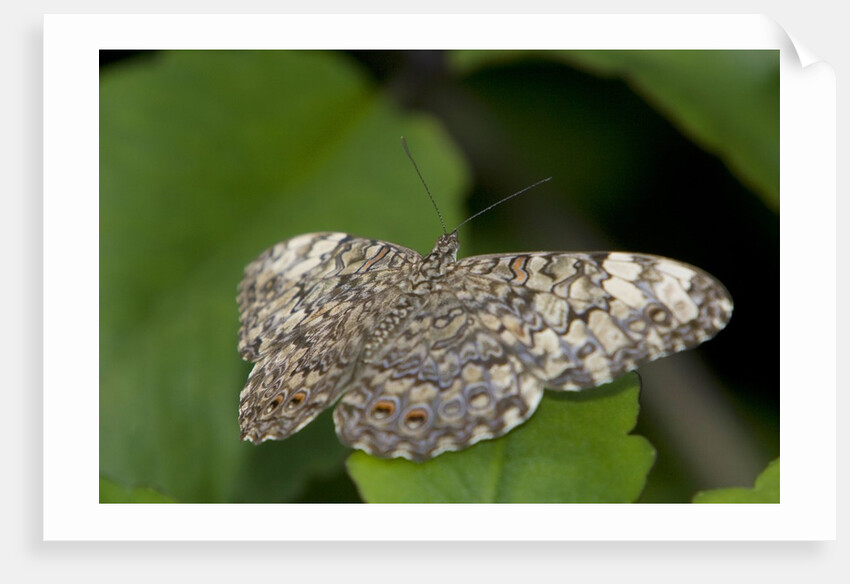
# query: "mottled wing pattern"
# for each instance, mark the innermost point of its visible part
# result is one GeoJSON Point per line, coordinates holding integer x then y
{"type": "Point", "coordinates": [578, 320]}
{"type": "Point", "coordinates": [306, 305]}
{"type": "Point", "coordinates": [442, 382]}
{"type": "Point", "coordinates": [427, 355]}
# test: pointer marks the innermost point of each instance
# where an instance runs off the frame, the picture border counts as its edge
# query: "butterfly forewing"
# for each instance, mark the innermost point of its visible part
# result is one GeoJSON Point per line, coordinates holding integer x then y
{"type": "Point", "coordinates": [585, 319]}
{"type": "Point", "coordinates": [306, 305]}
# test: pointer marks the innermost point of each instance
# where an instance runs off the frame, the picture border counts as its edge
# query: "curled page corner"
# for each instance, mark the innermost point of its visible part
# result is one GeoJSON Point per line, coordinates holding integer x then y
{"type": "Point", "coordinates": [778, 37]}
{"type": "Point", "coordinates": [804, 55]}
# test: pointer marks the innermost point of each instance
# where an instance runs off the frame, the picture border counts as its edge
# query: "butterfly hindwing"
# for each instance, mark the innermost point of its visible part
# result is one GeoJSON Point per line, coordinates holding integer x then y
{"type": "Point", "coordinates": [442, 381]}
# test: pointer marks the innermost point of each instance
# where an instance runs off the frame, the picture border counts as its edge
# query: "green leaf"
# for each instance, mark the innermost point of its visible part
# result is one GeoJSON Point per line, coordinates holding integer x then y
{"type": "Point", "coordinates": [574, 449]}
{"type": "Point", "coordinates": [111, 492]}
{"type": "Point", "coordinates": [726, 101]}
{"type": "Point", "coordinates": [206, 159]}
{"type": "Point", "coordinates": [766, 490]}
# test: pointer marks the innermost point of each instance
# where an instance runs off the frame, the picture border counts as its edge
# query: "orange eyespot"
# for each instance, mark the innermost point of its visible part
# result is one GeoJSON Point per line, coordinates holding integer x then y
{"type": "Point", "coordinates": [274, 403]}
{"type": "Point", "coordinates": [383, 409]}
{"type": "Point", "coordinates": [415, 418]}
{"type": "Point", "coordinates": [297, 399]}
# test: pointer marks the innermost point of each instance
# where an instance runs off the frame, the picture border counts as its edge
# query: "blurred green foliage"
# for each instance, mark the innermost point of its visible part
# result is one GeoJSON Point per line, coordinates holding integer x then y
{"type": "Point", "coordinates": [209, 157]}
{"type": "Point", "coordinates": [765, 490]}
{"type": "Point", "coordinates": [114, 493]}
{"type": "Point", "coordinates": [724, 100]}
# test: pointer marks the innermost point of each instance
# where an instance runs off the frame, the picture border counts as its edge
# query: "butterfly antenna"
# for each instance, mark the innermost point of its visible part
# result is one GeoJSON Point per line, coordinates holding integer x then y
{"type": "Point", "coordinates": [427, 190]}
{"type": "Point", "coordinates": [516, 194]}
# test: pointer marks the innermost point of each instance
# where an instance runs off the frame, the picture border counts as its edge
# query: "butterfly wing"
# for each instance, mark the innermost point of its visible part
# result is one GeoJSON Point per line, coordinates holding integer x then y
{"type": "Point", "coordinates": [441, 381]}
{"type": "Point", "coordinates": [306, 305]}
{"type": "Point", "coordinates": [580, 320]}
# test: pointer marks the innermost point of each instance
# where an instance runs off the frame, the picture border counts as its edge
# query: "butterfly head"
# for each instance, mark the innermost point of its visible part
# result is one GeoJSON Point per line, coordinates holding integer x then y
{"type": "Point", "coordinates": [446, 246]}
{"type": "Point", "coordinates": [438, 263]}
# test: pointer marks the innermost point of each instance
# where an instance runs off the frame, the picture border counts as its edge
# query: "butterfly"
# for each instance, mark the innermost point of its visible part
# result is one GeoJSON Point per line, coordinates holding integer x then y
{"type": "Point", "coordinates": [427, 354]}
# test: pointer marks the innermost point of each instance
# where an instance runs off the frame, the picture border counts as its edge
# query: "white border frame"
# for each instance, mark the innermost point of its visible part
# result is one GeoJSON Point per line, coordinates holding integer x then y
{"type": "Point", "coordinates": [808, 421]}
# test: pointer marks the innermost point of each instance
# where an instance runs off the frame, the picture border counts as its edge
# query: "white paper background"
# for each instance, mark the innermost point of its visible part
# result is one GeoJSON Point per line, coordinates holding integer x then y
{"type": "Point", "coordinates": [808, 241]}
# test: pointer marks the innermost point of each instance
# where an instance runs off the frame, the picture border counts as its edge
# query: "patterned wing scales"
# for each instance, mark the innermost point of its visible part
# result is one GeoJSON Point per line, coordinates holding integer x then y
{"type": "Point", "coordinates": [580, 320]}
{"type": "Point", "coordinates": [305, 304]}
{"type": "Point", "coordinates": [441, 382]}
{"type": "Point", "coordinates": [427, 355]}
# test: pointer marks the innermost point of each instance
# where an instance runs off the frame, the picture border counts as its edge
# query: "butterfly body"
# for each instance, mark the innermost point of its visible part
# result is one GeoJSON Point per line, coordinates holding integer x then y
{"type": "Point", "coordinates": [423, 355]}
